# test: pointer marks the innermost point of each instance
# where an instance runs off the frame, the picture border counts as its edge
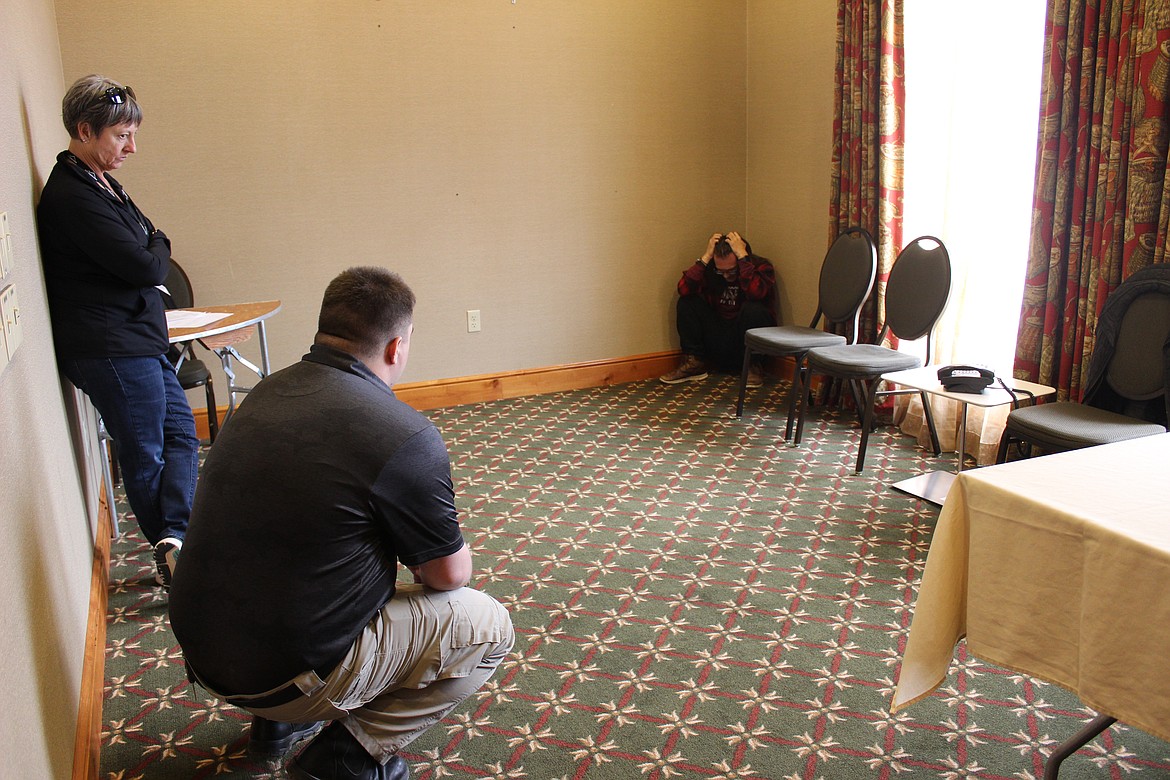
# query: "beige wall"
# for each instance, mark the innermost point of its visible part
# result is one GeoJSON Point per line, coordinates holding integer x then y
{"type": "Point", "coordinates": [47, 541]}
{"type": "Point", "coordinates": [791, 60]}
{"type": "Point", "coordinates": [554, 165]}
{"type": "Point", "coordinates": [551, 164]}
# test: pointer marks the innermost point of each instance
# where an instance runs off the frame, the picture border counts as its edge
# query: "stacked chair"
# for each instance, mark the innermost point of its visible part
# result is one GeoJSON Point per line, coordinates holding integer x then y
{"type": "Point", "coordinates": [847, 276]}
{"type": "Point", "coordinates": [916, 294]}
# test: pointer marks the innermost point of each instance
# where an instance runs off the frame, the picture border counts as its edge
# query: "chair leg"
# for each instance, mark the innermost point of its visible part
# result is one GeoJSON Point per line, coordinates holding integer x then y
{"type": "Point", "coordinates": [105, 444]}
{"type": "Point", "coordinates": [805, 383]}
{"type": "Point", "coordinates": [747, 360]}
{"type": "Point", "coordinates": [833, 391]}
{"type": "Point", "coordinates": [866, 423]}
{"type": "Point", "coordinates": [794, 388]}
{"type": "Point", "coordinates": [859, 402]}
{"type": "Point", "coordinates": [212, 412]}
{"type": "Point", "coordinates": [1005, 441]}
{"type": "Point", "coordinates": [115, 466]}
{"type": "Point", "coordinates": [930, 425]}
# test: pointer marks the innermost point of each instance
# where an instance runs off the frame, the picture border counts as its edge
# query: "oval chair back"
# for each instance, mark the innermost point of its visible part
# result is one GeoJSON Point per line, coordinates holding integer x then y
{"type": "Point", "coordinates": [1136, 372]}
{"type": "Point", "coordinates": [918, 289]}
{"type": "Point", "coordinates": [847, 276]}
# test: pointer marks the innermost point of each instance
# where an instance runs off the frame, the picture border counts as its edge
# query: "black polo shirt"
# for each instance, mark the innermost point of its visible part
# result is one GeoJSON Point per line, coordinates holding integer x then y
{"type": "Point", "coordinates": [318, 485]}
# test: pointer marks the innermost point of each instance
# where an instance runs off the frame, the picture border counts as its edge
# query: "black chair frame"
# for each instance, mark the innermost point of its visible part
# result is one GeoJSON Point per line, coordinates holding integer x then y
{"type": "Point", "coordinates": [192, 371]}
{"type": "Point", "coordinates": [916, 295]}
{"type": "Point", "coordinates": [847, 276]}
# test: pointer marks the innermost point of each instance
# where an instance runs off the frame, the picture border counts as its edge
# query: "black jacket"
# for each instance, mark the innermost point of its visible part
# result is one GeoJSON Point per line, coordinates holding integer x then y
{"type": "Point", "coordinates": [102, 259]}
{"type": "Point", "coordinates": [1098, 392]}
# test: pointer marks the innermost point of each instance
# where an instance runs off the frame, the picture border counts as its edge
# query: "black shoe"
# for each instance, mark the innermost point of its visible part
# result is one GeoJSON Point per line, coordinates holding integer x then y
{"type": "Point", "coordinates": [273, 738]}
{"type": "Point", "coordinates": [335, 755]}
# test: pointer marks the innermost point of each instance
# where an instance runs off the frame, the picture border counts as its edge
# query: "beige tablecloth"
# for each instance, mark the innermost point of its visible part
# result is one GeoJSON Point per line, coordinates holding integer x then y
{"type": "Point", "coordinates": [1058, 567]}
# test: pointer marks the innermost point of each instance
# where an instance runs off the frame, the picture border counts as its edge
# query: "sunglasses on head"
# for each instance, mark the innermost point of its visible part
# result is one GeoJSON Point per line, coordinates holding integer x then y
{"type": "Point", "coordinates": [117, 95]}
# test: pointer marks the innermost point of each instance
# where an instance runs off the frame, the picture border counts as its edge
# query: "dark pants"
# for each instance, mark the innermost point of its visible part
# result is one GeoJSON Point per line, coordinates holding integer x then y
{"type": "Point", "coordinates": [718, 341]}
{"type": "Point", "coordinates": [147, 414]}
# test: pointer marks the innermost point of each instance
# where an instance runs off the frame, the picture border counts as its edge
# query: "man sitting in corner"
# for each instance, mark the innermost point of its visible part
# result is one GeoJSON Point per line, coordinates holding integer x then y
{"type": "Point", "coordinates": [724, 294]}
{"type": "Point", "coordinates": [286, 603]}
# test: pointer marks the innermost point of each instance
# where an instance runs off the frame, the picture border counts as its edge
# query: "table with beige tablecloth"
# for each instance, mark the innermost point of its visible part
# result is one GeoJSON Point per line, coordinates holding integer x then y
{"type": "Point", "coordinates": [1058, 567]}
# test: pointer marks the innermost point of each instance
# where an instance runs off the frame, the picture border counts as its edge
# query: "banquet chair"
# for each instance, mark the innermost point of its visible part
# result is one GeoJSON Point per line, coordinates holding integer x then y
{"type": "Point", "coordinates": [916, 294]}
{"type": "Point", "coordinates": [1126, 387]}
{"type": "Point", "coordinates": [192, 371]}
{"type": "Point", "coordinates": [847, 275]}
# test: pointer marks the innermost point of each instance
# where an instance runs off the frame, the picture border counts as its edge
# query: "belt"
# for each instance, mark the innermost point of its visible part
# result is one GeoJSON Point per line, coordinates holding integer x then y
{"type": "Point", "coordinates": [282, 695]}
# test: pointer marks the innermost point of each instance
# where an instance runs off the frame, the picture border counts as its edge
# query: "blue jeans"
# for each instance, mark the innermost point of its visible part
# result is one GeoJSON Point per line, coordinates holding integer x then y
{"type": "Point", "coordinates": [147, 414]}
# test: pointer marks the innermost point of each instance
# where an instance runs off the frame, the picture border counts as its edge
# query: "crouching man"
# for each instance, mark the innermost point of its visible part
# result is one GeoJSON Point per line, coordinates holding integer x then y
{"type": "Point", "coordinates": [286, 603]}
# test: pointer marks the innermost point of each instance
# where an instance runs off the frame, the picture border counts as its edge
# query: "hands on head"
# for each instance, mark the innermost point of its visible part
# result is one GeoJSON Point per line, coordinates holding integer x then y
{"type": "Point", "coordinates": [725, 249]}
{"type": "Point", "coordinates": [738, 245]}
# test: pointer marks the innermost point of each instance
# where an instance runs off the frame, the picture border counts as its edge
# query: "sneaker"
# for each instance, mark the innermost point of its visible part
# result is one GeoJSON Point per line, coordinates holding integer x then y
{"type": "Point", "coordinates": [755, 377]}
{"type": "Point", "coordinates": [691, 369]}
{"type": "Point", "coordinates": [166, 557]}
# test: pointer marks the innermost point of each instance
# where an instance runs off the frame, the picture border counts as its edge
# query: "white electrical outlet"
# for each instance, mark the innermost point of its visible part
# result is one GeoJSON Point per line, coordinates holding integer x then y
{"type": "Point", "coordinates": [10, 311]}
{"type": "Point", "coordinates": [473, 323]}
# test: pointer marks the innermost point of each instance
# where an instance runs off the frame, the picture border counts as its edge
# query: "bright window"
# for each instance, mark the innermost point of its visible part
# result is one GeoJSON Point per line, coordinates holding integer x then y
{"type": "Point", "coordinates": [973, 73]}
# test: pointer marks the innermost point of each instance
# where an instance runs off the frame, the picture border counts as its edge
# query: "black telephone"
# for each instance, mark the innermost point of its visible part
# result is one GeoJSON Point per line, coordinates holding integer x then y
{"type": "Point", "coordinates": [965, 379]}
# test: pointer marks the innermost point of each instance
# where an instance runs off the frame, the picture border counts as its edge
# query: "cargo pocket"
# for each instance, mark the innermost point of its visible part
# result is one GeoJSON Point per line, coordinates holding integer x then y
{"type": "Point", "coordinates": [471, 629]}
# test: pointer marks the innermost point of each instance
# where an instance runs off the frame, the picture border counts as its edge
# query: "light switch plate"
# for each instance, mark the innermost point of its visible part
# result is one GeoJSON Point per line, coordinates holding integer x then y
{"type": "Point", "coordinates": [5, 245]}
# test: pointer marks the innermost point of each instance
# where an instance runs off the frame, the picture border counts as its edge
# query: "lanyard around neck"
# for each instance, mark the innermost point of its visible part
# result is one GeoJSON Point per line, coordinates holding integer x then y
{"type": "Point", "coordinates": [111, 189]}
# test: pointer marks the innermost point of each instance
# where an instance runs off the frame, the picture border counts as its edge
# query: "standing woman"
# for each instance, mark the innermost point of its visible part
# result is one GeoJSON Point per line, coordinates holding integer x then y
{"type": "Point", "coordinates": [102, 260]}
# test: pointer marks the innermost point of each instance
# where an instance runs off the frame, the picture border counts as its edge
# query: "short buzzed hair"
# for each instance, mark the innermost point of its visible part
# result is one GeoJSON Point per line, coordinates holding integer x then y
{"type": "Point", "coordinates": [367, 307]}
{"type": "Point", "coordinates": [89, 101]}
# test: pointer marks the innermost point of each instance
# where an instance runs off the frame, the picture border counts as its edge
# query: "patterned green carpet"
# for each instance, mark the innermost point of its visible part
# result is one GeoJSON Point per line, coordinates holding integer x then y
{"type": "Point", "coordinates": [693, 599]}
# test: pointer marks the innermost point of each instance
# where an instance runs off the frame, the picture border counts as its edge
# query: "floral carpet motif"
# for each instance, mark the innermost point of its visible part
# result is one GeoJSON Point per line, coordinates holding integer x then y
{"type": "Point", "coordinates": [693, 598]}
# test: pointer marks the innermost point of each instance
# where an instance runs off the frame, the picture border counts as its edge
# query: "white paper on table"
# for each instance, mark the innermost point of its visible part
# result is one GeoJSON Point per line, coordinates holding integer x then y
{"type": "Point", "coordinates": [179, 318]}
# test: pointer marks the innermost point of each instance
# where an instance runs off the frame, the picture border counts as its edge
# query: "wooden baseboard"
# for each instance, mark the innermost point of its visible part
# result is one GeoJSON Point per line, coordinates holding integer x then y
{"type": "Point", "coordinates": [87, 740]}
{"type": "Point", "coordinates": [513, 384]}
{"type": "Point", "coordinates": [534, 381]}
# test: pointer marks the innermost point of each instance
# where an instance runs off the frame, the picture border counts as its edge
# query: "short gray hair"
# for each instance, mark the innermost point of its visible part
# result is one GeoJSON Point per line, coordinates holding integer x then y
{"type": "Point", "coordinates": [99, 102]}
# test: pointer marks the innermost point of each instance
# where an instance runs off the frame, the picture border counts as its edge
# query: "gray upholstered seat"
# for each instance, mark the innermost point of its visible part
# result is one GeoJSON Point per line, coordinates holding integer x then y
{"type": "Point", "coordinates": [916, 294]}
{"type": "Point", "coordinates": [1129, 373]}
{"type": "Point", "coordinates": [847, 275]}
{"type": "Point", "coordinates": [1068, 426]}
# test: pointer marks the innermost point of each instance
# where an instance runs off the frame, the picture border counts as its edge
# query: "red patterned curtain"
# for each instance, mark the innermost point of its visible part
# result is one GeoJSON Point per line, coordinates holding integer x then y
{"type": "Point", "coordinates": [1102, 204]}
{"type": "Point", "coordinates": [868, 135]}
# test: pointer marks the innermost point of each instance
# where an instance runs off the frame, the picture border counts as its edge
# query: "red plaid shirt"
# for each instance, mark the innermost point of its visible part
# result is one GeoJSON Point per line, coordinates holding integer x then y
{"type": "Point", "coordinates": [753, 279]}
